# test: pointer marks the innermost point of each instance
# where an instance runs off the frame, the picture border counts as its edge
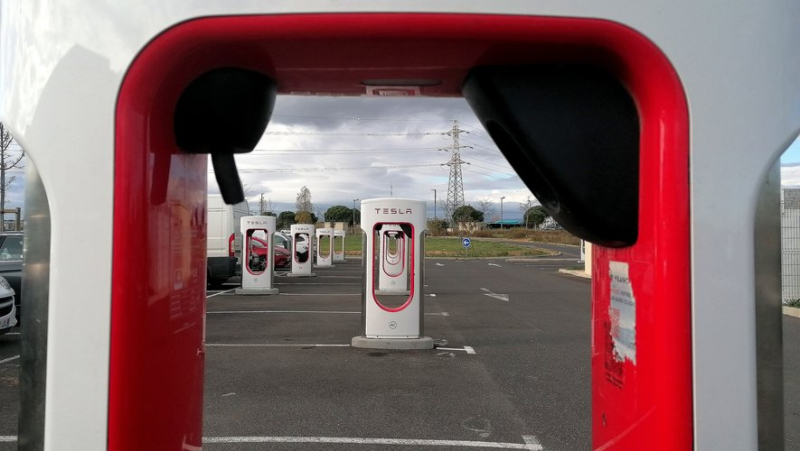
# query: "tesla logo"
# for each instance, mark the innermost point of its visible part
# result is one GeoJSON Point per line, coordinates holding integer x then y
{"type": "Point", "coordinates": [393, 211]}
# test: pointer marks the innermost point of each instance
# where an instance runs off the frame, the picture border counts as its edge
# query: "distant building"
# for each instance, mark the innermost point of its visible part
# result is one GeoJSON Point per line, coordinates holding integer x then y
{"type": "Point", "coordinates": [504, 224]}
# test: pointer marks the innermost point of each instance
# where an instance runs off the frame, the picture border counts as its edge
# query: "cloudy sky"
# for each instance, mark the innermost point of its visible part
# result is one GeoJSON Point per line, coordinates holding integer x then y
{"type": "Point", "coordinates": [345, 148]}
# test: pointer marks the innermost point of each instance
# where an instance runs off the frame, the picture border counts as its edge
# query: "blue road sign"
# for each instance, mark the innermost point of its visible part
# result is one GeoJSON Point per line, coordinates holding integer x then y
{"type": "Point", "coordinates": [466, 242]}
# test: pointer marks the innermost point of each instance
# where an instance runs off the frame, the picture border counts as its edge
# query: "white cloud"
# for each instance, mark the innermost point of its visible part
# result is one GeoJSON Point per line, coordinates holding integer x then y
{"type": "Point", "coordinates": [345, 148]}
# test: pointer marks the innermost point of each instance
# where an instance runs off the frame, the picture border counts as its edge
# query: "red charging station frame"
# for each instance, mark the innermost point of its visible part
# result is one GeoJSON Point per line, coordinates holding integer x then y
{"type": "Point", "coordinates": [158, 297]}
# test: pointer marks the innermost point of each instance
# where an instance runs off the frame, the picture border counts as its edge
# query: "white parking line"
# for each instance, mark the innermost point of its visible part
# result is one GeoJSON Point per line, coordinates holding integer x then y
{"type": "Point", "coordinates": [277, 345]}
{"type": "Point", "coordinates": [234, 312]}
{"type": "Point", "coordinates": [319, 294]}
{"type": "Point", "coordinates": [468, 349]}
{"type": "Point", "coordinates": [221, 292]}
{"type": "Point", "coordinates": [377, 441]}
{"type": "Point", "coordinates": [9, 359]}
{"type": "Point", "coordinates": [531, 443]}
{"type": "Point", "coordinates": [325, 283]}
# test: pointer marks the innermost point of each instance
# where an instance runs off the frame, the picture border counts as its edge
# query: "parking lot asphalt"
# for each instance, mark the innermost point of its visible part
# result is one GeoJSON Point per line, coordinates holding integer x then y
{"type": "Point", "coordinates": [510, 370]}
{"type": "Point", "coordinates": [283, 363]}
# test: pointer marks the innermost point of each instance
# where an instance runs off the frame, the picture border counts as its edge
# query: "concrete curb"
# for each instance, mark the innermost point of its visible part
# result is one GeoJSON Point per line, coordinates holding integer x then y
{"type": "Point", "coordinates": [575, 272]}
{"type": "Point", "coordinates": [791, 311]}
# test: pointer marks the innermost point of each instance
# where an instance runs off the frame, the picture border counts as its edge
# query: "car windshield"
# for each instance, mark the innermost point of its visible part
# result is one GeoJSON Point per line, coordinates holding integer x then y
{"type": "Point", "coordinates": [11, 248]}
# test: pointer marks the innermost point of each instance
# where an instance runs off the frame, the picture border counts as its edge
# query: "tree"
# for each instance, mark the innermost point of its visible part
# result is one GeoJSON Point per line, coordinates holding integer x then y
{"type": "Point", "coordinates": [486, 207]}
{"type": "Point", "coordinates": [526, 206]}
{"type": "Point", "coordinates": [285, 219]}
{"type": "Point", "coordinates": [536, 215]}
{"type": "Point", "coordinates": [8, 161]}
{"type": "Point", "coordinates": [339, 213]}
{"type": "Point", "coordinates": [305, 217]}
{"type": "Point", "coordinates": [266, 207]}
{"type": "Point", "coordinates": [466, 213]}
{"type": "Point", "coordinates": [304, 200]}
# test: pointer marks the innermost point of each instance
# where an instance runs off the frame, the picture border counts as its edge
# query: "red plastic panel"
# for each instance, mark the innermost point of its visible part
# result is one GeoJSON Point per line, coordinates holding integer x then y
{"type": "Point", "coordinates": [159, 226]}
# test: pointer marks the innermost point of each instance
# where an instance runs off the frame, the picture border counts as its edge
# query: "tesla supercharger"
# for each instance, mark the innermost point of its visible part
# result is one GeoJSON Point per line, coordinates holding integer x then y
{"type": "Point", "coordinates": [258, 255]}
{"type": "Point", "coordinates": [339, 245]}
{"type": "Point", "coordinates": [393, 257]}
{"type": "Point", "coordinates": [324, 247]}
{"type": "Point", "coordinates": [393, 320]}
{"type": "Point", "coordinates": [302, 250]}
{"type": "Point", "coordinates": [589, 101]}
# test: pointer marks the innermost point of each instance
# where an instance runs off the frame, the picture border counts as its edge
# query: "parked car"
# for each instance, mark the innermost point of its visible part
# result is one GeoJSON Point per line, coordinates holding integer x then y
{"type": "Point", "coordinates": [260, 250]}
{"type": "Point", "coordinates": [8, 309]}
{"type": "Point", "coordinates": [11, 263]}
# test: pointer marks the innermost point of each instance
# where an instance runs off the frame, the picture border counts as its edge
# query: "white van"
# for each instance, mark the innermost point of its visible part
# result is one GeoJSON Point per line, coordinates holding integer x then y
{"type": "Point", "coordinates": [224, 240]}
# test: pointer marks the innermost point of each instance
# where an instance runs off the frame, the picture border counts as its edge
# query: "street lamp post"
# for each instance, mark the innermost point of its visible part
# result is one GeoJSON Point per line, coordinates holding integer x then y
{"type": "Point", "coordinates": [434, 204]}
{"type": "Point", "coordinates": [501, 212]}
{"type": "Point", "coordinates": [354, 214]}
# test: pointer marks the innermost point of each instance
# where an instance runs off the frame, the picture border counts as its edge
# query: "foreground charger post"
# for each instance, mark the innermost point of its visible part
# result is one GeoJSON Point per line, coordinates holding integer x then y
{"type": "Point", "coordinates": [393, 320]}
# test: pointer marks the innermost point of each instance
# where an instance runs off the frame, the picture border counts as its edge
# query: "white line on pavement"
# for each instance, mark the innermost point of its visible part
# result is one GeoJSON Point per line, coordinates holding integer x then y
{"type": "Point", "coordinates": [495, 264]}
{"type": "Point", "coordinates": [233, 312]}
{"type": "Point", "coordinates": [326, 283]}
{"type": "Point", "coordinates": [9, 359]}
{"type": "Point", "coordinates": [468, 349]}
{"type": "Point", "coordinates": [230, 312]}
{"type": "Point", "coordinates": [502, 297]}
{"type": "Point", "coordinates": [319, 294]}
{"type": "Point", "coordinates": [377, 441]}
{"type": "Point", "coordinates": [275, 345]}
{"type": "Point", "coordinates": [221, 292]}
{"type": "Point", "coordinates": [531, 443]}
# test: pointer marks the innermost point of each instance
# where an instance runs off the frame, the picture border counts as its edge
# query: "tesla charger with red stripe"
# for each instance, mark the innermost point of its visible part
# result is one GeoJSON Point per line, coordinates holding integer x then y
{"type": "Point", "coordinates": [393, 319]}
{"type": "Point", "coordinates": [258, 255]}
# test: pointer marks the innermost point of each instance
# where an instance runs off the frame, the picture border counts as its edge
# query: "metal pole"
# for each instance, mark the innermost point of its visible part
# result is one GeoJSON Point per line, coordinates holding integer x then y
{"type": "Point", "coordinates": [434, 204]}
{"type": "Point", "coordinates": [354, 214]}
{"type": "Point", "coordinates": [501, 212]}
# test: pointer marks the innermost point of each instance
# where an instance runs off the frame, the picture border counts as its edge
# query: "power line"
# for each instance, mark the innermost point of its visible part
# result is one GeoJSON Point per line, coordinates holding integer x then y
{"type": "Point", "coordinates": [348, 134]}
{"type": "Point", "coordinates": [489, 169]}
{"type": "Point", "coordinates": [361, 118]}
{"type": "Point", "coordinates": [331, 169]}
{"type": "Point", "coordinates": [267, 152]}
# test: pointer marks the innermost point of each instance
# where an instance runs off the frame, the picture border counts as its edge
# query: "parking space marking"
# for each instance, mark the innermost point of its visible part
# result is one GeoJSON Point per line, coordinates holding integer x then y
{"type": "Point", "coordinates": [468, 349]}
{"type": "Point", "coordinates": [277, 345]}
{"type": "Point", "coordinates": [8, 438]}
{"type": "Point", "coordinates": [219, 293]}
{"type": "Point", "coordinates": [332, 312]}
{"type": "Point", "coordinates": [502, 297]}
{"type": "Point", "coordinates": [377, 441]}
{"type": "Point", "coordinates": [326, 283]}
{"type": "Point", "coordinates": [319, 294]}
{"type": "Point", "coordinates": [9, 359]}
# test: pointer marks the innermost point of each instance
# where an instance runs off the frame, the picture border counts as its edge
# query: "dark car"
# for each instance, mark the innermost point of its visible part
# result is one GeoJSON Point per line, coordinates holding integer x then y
{"type": "Point", "coordinates": [11, 262]}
